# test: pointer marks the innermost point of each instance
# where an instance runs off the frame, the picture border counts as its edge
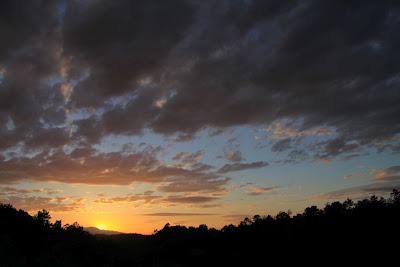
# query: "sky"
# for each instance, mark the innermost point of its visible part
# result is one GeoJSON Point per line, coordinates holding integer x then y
{"type": "Point", "coordinates": [126, 115]}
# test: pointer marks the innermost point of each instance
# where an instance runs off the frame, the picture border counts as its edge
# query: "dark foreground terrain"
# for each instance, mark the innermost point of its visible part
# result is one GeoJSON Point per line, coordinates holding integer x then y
{"type": "Point", "coordinates": [365, 231]}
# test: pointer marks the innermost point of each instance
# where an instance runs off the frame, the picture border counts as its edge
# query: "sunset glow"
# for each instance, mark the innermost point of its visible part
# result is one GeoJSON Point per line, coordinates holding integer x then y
{"type": "Point", "coordinates": [101, 226]}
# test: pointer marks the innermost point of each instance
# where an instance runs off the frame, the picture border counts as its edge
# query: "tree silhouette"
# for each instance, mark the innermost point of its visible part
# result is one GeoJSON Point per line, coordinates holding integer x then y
{"type": "Point", "coordinates": [43, 218]}
{"type": "Point", "coordinates": [359, 230]}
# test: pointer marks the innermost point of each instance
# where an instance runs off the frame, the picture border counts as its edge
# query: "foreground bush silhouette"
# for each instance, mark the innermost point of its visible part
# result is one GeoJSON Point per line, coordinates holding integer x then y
{"type": "Point", "coordinates": [341, 232]}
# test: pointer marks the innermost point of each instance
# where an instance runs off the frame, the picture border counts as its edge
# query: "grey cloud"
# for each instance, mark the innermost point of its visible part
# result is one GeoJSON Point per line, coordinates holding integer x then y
{"type": "Point", "coordinates": [391, 170]}
{"type": "Point", "coordinates": [260, 71]}
{"type": "Point", "coordinates": [119, 43]}
{"type": "Point", "coordinates": [12, 190]}
{"type": "Point", "coordinates": [186, 66]}
{"type": "Point", "coordinates": [84, 165]}
{"type": "Point", "coordinates": [232, 150]}
{"type": "Point", "coordinates": [146, 198]}
{"type": "Point", "coordinates": [358, 192]}
{"type": "Point", "coordinates": [158, 199]}
{"type": "Point", "coordinates": [242, 166]}
{"type": "Point", "coordinates": [233, 155]}
{"type": "Point", "coordinates": [179, 199]}
{"type": "Point", "coordinates": [188, 157]}
{"type": "Point", "coordinates": [47, 138]}
{"type": "Point", "coordinates": [34, 203]}
{"type": "Point", "coordinates": [281, 145]}
{"type": "Point", "coordinates": [176, 214]}
{"type": "Point", "coordinates": [303, 64]}
{"type": "Point", "coordinates": [82, 152]}
{"type": "Point", "coordinates": [384, 181]}
{"type": "Point", "coordinates": [256, 191]}
{"type": "Point", "coordinates": [390, 174]}
{"type": "Point", "coordinates": [392, 178]}
{"type": "Point", "coordinates": [204, 183]}
{"type": "Point", "coordinates": [29, 55]}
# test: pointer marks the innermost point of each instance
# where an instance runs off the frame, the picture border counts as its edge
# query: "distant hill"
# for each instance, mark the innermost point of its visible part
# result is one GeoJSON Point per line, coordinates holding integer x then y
{"type": "Point", "coordinates": [97, 231]}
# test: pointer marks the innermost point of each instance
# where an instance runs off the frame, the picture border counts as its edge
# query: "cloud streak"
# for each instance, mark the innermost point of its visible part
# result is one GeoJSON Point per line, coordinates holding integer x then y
{"type": "Point", "coordinates": [384, 181]}
{"type": "Point", "coordinates": [234, 167]}
{"type": "Point", "coordinates": [177, 214]}
{"type": "Point", "coordinates": [257, 191]}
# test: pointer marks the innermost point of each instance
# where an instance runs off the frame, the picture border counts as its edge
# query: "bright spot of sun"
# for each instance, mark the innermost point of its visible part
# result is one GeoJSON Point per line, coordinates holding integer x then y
{"type": "Point", "coordinates": [101, 227]}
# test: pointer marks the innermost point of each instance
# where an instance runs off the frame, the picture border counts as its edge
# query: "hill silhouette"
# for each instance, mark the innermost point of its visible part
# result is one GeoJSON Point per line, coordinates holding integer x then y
{"type": "Point", "coordinates": [341, 232]}
{"type": "Point", "coordinates": [96, 231]}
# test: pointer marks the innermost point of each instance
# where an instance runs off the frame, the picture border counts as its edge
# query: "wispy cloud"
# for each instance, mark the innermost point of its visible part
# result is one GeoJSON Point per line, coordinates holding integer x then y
{"type": "Point", "coordinates": [177, 214]}
{"type": "Point", "coordinates": [256, 191]}
{"type": "Point", "coordinates": [234, 167]}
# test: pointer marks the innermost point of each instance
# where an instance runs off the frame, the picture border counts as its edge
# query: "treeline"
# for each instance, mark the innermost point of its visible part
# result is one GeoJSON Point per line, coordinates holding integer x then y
{"type": "Point", "coordinates": [363, 231]}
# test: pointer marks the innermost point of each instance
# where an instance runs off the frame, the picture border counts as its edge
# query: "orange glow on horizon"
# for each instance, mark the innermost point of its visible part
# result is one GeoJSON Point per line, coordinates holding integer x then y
{"type": "Point", "coordinates": [101, 227]}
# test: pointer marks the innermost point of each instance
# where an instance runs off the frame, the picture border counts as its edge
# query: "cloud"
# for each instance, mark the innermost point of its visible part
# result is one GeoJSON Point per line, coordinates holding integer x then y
{"type": "Point", "coordinates": [279, 130]}
{"type": "Point", "coordinates": [281, 145]}
{"type": "Point", "coordinates": [388, 174]}
{"type": "Point", "coordinates": [135, 36]}
{"type": "Point", "coordinates": [182, 199]}
{"type": "Point", "coordinates": [29, 56]}
{"type": "Point", "coordinates": [198, 183]}
{"type": "Point", "coordinates": [74, 73]}
{"type": "Point", "coordinates": [264, 73]}
{"type": "Point", "coordinates": [358, 192]}
{"type": "Point", "coordinates": [383, 182]}
{"type": "Point", "coordinates": [87, 167]}
{"type": "Point", "coordinates": [355, 175]}
{"type": "Point", "coordinates": [189, 158]}
{"type": "Point", "coordinates": [32, 199]}
{"type": "Point", "coordinates": [150, 198]}
{"type": "Point", "coordinates": [233, 155]}
{"type": "Point", "coordinates": [35, 203]}
{"type": "Point", "coordinates": [12, 190]}
{"type": "Point", "coordinates": [232, 151]}
{"type": "Point", "coordinates": [256, 191]}
{"type": "Point", "coordinates": [146, 197]}
{"type": "Point", "coordinates": [177, 214]}
{"type": "Point", "coordinates": [235, 217]}
{"type": "Point", "coordinates": [242, 166]}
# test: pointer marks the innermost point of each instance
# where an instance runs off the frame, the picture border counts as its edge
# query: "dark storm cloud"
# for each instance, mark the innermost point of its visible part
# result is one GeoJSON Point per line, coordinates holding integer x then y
{"type": "Point", "coordinates": [178, 67]}
{"type": "Point", "coordinates": [119, 43]}
{"type": "Point", "coordinates": [229, 63]}
{"type": "Point", "coordinates": [328, 63]}
{"type": "Point", "coordinates": [29, 55]}
{"type": "Point", "coordinates": [53, 137]}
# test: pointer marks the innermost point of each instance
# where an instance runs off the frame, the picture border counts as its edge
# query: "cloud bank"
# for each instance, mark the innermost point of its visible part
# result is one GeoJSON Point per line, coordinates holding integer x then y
{"type": "Point", "coordinates": [74, 72]}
